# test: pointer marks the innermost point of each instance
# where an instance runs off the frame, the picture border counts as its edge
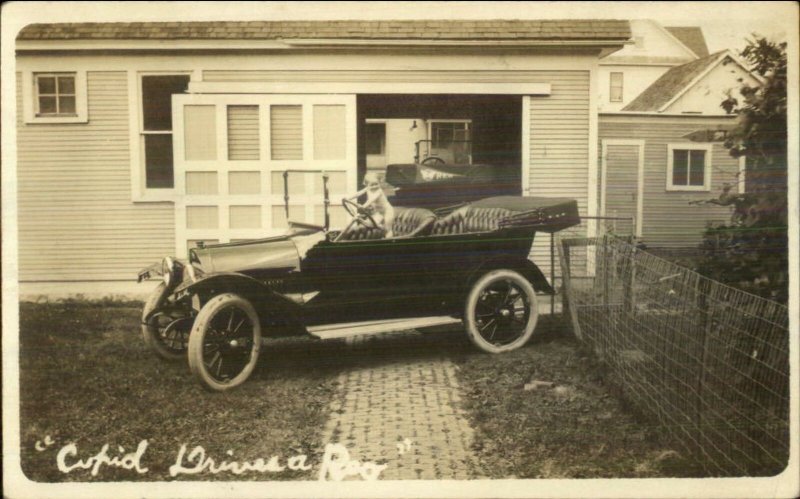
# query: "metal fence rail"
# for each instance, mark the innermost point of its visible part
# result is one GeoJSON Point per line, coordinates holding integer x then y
{"type": "Point", "coordinates": [708, 363]}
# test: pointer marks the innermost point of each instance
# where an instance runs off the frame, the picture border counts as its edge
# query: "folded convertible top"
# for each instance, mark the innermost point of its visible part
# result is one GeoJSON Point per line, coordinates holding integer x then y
{"type": "Point", "coordinates": [544, 214]}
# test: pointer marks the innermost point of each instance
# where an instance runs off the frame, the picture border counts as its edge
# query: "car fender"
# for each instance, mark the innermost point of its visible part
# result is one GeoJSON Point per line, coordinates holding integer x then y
{"type": "Point", "coordinates": [527, 268]}
{"type": "Point", "coordinates": [272, 307]}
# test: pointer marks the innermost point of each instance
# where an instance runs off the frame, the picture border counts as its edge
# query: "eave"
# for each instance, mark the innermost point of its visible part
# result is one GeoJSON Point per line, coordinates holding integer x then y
{"type": "Point", "coordinates": [605, 47]}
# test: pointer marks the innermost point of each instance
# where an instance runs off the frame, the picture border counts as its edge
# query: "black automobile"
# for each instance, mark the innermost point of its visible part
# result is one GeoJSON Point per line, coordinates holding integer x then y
{"type": "Point", "coordinates": [435, 185]}
{"type": "Point", "coordinates": [469, 264]}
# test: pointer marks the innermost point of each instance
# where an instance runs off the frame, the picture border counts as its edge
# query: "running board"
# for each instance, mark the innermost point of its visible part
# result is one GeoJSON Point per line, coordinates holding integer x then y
{"type": "Point", "coordinates": [347, 329]}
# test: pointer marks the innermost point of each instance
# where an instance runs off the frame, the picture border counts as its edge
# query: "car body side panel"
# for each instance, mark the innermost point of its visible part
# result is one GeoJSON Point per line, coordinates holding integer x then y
{"type": "Point", "coordinates": [404, 277]}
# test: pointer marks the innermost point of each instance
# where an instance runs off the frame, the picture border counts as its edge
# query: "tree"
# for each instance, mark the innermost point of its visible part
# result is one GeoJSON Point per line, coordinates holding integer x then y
{"type": "Point", "coordinates": [751, 252]}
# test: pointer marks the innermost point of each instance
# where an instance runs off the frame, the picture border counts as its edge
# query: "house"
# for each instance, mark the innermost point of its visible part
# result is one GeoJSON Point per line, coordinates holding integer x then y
{"type": "Point", "coordinates": [663, 153]}
{"type": "Point", "coordinates": [655, 49]}
{"type": "Point", "coordinates": [136, 140]}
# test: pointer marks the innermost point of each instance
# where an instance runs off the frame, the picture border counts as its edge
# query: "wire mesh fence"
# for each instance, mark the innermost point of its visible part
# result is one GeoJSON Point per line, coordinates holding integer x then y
{"type": "Point", "coordinates": [707, 363]}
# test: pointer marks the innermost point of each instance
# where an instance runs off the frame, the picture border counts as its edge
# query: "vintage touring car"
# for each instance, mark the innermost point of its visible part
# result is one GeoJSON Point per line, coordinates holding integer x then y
{"type": "Point", "coordinates": [465, 264]}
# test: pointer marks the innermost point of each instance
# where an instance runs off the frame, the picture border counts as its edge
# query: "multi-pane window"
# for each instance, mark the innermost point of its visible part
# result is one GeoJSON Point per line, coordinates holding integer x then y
{"type": "Point", "coordinates": [156, 132]}
{"type": "Point", "coordinates": [615, 87]}
{"type": "Point", "coordinates": [444, 133]}
{"type": "Point", "coordinates": [55, 94]}
{"type": "Point", "coordinates": [688, 168]}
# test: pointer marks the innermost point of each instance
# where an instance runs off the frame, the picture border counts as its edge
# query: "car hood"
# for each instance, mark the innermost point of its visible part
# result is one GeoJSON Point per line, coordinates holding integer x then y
{"type": "Point", "coordinates": [280, 252]}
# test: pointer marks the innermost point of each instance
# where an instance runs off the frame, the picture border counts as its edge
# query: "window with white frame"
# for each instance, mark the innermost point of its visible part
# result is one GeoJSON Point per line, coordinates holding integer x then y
{"type": "Point", "coordinates": [55, 94]}
{"type": "Point", "coordinates": [689, 167]}
{"type": "Point", "coordinates": [55, 97]}
{"type": "Point", "coordinates": [615, 87]}
{"type": "Point", "coordinates": [156, 126]}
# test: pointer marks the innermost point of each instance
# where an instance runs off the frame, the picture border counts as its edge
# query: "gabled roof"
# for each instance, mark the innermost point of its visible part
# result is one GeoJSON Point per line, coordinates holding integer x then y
{"type": "Point", "coordinates": [692, 37]}
{"type": "Point", "coordinates": [673, 83]}
{"type": "Point", "coordinates": [556, 30]}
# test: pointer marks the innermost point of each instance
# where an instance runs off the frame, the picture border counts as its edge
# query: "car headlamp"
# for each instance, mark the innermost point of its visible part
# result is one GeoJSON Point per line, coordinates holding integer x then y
{"type": "Point", "coordinates": [166, 270]}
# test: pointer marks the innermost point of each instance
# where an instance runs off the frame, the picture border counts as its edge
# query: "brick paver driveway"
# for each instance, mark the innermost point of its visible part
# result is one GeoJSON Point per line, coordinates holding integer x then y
{"type": "Point", "coordinates": [402, 411]}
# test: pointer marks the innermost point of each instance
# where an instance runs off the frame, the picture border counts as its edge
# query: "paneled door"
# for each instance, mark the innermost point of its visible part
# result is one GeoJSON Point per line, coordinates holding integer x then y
{"type": "Point", "coordinates": [230, 154]}
{"type": "Point", "coordinates": [622, 185]}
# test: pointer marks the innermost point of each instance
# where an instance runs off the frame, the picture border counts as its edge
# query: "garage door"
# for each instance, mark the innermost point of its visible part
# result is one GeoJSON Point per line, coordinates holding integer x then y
{"type": "Point", "coordinates": [230, 155]}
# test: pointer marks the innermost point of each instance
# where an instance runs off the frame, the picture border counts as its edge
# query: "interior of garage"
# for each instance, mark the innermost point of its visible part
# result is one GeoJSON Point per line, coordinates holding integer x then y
{"type": "Point", "coordinates": [389, 126]}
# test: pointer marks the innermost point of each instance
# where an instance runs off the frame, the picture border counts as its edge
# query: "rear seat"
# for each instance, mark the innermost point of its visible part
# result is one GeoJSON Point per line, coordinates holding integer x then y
{"type": "Point", "coordinates": [470, 219]}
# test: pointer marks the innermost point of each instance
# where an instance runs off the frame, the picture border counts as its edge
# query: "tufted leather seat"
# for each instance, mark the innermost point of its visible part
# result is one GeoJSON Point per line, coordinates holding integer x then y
{"type": "Point", "coordinates": [470, 219]}
{"type": "Point", "coordinates": [408, 222]}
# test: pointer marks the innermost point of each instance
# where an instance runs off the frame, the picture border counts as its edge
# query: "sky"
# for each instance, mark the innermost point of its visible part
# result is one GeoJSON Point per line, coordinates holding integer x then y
{"type": "Point", "coordinates": [725, 24]}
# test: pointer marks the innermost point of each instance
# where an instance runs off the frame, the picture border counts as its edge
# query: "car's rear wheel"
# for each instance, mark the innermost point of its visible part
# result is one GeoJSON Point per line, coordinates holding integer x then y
{"type": "Point", "coordinates": [225, 342]}
{"type": "Point", "coordinates": [166, 335]}
{"type": "Point", "coordinates": [500, 313]}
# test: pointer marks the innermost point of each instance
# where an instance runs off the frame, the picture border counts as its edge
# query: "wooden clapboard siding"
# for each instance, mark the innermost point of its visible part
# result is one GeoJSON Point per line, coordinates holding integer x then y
{"type": "Point", "coordinates": [243, 133]}
{"type": "Point", "coordinates": [76, 219]}
{"type": "Point", "coordinates": [559, 148]}
{"type": "Point", "coordinates": [668, 218]}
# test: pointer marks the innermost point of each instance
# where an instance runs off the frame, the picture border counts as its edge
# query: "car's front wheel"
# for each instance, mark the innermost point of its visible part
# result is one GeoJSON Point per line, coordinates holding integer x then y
{"type": "Point", "coordinates": [166, 335]}
{"type": "Point", "coordinates": [500, 313]}
{"type": "Point", "coordinates": [225, 342]}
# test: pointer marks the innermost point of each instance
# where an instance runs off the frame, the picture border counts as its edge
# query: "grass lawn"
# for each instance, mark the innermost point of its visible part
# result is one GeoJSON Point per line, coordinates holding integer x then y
{"type": "Point", "coordinates": [575, 429]}
{"type": "Point", "coordinates": [87, 378]}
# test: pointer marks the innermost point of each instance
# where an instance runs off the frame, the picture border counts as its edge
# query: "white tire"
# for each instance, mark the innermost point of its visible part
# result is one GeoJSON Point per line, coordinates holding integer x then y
{"type": "Point", "coordinates": [500, 312]}
{"type": "Point", "coordinates": [225, 342]}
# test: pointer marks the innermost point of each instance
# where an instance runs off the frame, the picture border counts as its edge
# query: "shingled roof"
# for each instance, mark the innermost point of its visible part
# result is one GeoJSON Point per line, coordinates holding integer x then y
{"type": "Point", "coordinates": [671, 84]}
{"type": "Point", "coordinates": [370, 30]}
{"type": "Point", "coordinates": [692, 37]}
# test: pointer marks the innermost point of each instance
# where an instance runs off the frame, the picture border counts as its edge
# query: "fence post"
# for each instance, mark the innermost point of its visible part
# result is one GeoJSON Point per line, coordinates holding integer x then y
{"type": "Point", "coordinates": [564, 276]}
{"type": "Point", "coordinates": [630, 282]}
{"type": "Point", "coordinates": [705, 310]}
{"type": "Point", "coordinates": [605, 271]}
{"type": "Point", "coordinates": [553, 273]}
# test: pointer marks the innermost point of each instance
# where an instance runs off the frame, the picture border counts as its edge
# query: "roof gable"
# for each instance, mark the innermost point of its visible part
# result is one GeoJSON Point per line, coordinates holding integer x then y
{"type": "Point", "coordinates": [654, 45]}
{"type": "Point", "coordinates": [692, 37]}
{"type": "Point", "coordinates": [672, 83]}
{"type": "Point", "coordinates": [567, 30]}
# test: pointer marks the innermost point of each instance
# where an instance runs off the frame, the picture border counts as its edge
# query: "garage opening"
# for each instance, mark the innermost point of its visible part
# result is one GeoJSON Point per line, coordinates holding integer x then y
{"type": "Point", "coordinates": [440, 129]}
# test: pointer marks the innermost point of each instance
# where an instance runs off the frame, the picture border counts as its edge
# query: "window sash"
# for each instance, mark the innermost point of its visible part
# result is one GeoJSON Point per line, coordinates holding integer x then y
{"type": "Point", "coordinates": [159, 165]}
{"type": "Point", "coordinates": [689, 168]}
{"type": "Point", "coordinates": [615, 87]}
{"type": "Point", "coordinates": [444, 133]}
{"type": "Point", "coordinates": [64, 101]}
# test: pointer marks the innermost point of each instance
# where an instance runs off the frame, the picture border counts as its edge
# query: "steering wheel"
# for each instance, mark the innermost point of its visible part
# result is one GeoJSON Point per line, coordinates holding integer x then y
{"type": "Point", "coordinates": [359, 213]}
{"type": "Point", "coordinates": [433, 161]}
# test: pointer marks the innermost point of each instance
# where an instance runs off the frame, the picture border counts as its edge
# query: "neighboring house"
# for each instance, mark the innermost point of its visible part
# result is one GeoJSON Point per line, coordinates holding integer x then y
{"type": "Point", "coordinates": [135, 140]}
{"type": "Point", "coordinates": [655, 49]}
{"type": "Point", "coordinates": [663, 152]}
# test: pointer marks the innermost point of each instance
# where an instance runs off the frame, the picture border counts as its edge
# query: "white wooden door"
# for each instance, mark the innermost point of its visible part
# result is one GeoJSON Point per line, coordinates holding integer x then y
{"type": "Point", "coordinates": [623, 184]}
{"type": "Point", "coordinates": [230, 152]}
